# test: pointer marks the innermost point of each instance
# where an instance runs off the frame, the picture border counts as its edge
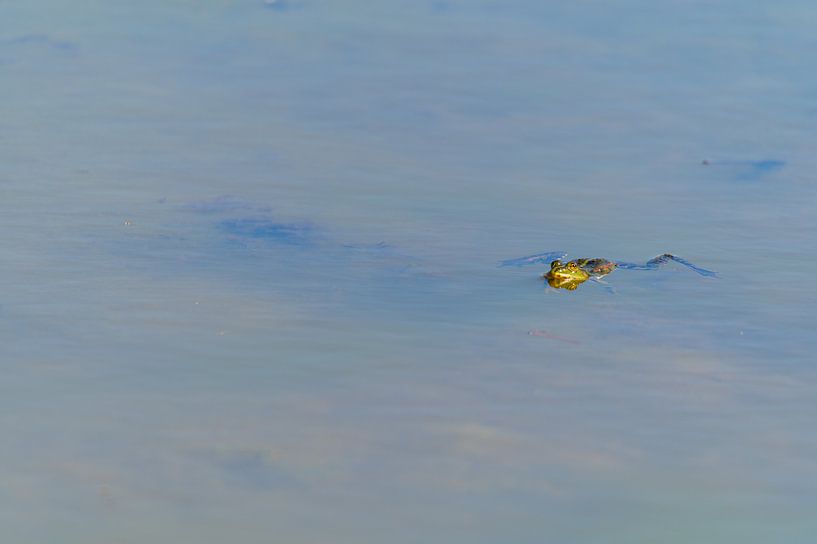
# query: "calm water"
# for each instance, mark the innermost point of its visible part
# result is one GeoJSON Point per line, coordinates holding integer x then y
{"type": "Point", "coordinates": [249, 281]}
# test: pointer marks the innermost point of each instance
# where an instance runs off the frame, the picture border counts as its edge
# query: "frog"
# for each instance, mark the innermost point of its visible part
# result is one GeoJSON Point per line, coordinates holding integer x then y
{"type": "Point", "coordinates": [573, 273]}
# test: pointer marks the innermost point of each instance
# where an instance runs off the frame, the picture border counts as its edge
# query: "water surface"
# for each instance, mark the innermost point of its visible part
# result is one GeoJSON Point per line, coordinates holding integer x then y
{"type": "Point", "coordinates": [250, 283]}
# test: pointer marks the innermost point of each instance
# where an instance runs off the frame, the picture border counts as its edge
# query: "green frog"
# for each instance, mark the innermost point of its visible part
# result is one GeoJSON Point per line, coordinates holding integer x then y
{"type": "Point", "coordinates": [573, 273]}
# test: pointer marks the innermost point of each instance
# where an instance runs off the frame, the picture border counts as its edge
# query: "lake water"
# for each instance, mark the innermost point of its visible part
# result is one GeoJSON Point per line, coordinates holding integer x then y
{"type": "Point", "coordinates": [250, 289]}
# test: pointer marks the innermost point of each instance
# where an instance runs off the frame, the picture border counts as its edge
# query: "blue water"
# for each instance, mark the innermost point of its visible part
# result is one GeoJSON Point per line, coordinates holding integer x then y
{"type": "Point", "coordinates": [250, 289]}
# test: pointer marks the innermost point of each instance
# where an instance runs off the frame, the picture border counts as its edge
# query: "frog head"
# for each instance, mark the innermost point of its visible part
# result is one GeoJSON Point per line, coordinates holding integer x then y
{"type": "Point", "coordinates": [565, 276]}
{"type": "Point", "coordinates": [569, 271]}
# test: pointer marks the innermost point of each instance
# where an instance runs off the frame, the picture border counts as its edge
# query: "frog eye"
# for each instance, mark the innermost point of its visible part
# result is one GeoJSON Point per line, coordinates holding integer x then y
{"type": "Point", "coordinates": [556, 263]}
{"type": "Point", "coordinates": [571, 265]}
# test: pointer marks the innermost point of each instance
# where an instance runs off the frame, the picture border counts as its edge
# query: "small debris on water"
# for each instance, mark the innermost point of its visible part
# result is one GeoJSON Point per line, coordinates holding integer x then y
{"type": "Point", "coordinates": [106, 495]}
{"type": "Point", "coordinates": [545, 334]}
{"type": "Point", "coordinates": [127, 222]}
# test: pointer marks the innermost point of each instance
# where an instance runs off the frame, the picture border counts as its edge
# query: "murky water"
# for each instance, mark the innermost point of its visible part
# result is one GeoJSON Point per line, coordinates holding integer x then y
{"type": "Point", "coordinates": [250, 288]}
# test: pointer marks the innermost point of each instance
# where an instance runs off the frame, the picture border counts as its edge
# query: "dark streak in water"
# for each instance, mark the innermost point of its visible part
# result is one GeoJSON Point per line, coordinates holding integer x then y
{"type": "Point", "coordinates": [268, 230]}
{"type": "Point", "coordinates": [246, 225]}
{"type": "Point", "coordinates": [42, 39]}
{"type": "Point", "coordinates": [749, 170]}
